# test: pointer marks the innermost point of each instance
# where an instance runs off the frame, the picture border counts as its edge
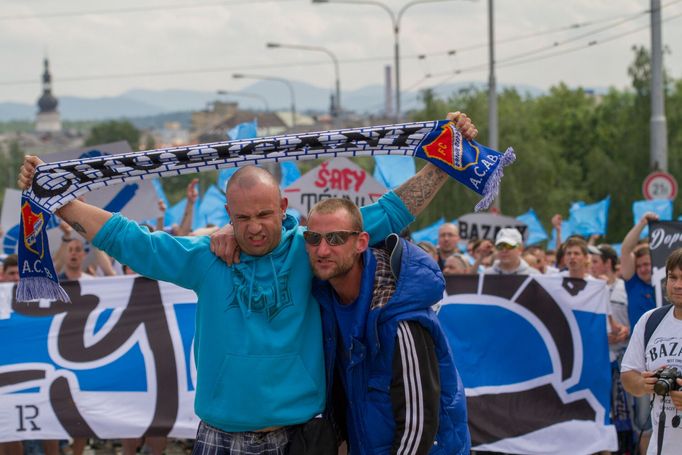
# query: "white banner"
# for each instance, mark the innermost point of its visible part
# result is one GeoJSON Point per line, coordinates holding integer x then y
{"type": "Point", "coordinates": [487, 225]}
{"type": "Point", "coordinates": [533, 355]}
{"type": "Point", "coordinates": [339, 177]}
{"type": "Point", "coordinates": [117, 362]}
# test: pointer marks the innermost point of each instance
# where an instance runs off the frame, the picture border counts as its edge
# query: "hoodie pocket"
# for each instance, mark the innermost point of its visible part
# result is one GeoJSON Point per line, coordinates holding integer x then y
{"type": "Point", "coordinates": [265, 390]}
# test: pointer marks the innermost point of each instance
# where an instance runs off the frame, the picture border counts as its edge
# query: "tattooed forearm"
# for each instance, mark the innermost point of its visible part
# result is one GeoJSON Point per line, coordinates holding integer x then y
{"type": "Point", "coordinates": [78, 228]}
{"type": "Point", "coordinates": [420, 189]}
{"type": "Point", "coordinates": [74, 224]}
{"type": "Point", "coordinates": [85, 219]}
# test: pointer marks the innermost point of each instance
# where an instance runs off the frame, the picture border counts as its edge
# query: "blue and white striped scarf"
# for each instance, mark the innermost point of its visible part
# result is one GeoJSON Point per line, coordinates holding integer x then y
{"type": "Point", "coordinates": [56, 184]}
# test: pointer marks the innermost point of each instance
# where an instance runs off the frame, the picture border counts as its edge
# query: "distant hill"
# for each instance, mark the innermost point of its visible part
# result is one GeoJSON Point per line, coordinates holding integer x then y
{"type": "Point", "coordinates": [147, 103]}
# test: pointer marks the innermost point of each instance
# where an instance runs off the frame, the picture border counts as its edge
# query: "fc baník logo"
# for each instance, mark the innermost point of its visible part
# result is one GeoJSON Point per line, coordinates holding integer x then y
{"type": "Point", "coordinates": [452, 149]}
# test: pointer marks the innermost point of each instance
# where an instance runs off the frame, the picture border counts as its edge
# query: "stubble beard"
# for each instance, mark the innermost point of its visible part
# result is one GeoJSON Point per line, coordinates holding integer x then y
{"type": "Point", "coordinates": [339, 270]}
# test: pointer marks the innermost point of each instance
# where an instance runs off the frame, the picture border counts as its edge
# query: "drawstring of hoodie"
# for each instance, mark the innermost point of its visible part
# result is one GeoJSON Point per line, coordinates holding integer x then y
{"type": "Point", "coordinates": [274, 273]}
{"type": "Point", "coordinates": [253, 276]}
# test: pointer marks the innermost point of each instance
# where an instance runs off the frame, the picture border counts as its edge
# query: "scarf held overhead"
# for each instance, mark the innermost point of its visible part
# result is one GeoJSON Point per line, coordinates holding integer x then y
{"type": "Point", "coordinates": [56, 184]}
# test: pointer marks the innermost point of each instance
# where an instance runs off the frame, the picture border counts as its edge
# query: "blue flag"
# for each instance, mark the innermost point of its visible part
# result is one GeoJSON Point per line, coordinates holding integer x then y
{"type": "Point", "coordinates": [212, 208]}
{"type": "Point", "coordinates": [536, 233]}
{"type": "Point", "coordinates": [429, 233]}
{"type": "Point", "coordinates": [662, 207]}
{"type": "Point", "coordinates": [290, 173]}
{"type": "Point", "coordinates": [246, 130]}
{"type": "Point", "coordinates": [177, 211]}
{"type": "Point", "coordinates": [161, 194]}
{"type": "Point", "coordinates": [393, 171]}
{"type": "Point", "coordinates": [589, 219]}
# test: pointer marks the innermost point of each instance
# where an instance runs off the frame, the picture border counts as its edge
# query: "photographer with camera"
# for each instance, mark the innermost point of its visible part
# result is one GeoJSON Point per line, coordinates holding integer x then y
{"type": "Point", "coordinates": [653, 363]}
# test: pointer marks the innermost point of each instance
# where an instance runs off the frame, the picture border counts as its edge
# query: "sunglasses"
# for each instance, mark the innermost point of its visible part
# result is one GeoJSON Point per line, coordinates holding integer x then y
{"type": "Point", "coordinates": [333, 238]}
{"type": "Point", "coordinates": [504, 246]}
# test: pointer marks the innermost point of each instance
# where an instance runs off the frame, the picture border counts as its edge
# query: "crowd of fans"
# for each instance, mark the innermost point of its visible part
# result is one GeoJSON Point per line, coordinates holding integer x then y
{"type": "Point", "coordinates": [628, 279]}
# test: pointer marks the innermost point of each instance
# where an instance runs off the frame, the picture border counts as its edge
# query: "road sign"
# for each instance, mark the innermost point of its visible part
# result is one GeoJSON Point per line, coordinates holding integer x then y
{"type": "Point", "coordinates": [659, 185]}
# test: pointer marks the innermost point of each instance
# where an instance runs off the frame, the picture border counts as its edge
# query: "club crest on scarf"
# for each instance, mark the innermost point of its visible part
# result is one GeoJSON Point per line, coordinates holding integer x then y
{"type": "Point", "coordinates": [448, 147]}
{"type": "Point", "coordinates": [35, 263]}
{"type": "Point", "coordinates": [470, 163]}
{"type": "Point", "coordinates": [33, 224]}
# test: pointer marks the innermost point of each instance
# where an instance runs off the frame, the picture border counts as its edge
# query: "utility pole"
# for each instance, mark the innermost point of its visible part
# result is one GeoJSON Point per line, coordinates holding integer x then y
{"type": "Point", "coordinates": [658, 157]}
{"type": "Point", "coordinates": [492, 95]}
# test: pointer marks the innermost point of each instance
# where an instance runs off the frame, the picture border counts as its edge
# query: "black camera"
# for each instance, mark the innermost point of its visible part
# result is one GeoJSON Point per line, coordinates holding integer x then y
{"type": "Point", "coordinates": [666, 380]}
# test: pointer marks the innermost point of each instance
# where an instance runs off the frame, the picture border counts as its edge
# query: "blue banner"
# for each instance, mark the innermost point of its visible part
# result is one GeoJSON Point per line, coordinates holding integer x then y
{"type": "Point", "coordinates": [566, 232]}
{"type": "Point", "coordinates": [662, 207]}
{"type": "Point", "coordinates": [246, 130]}
{"type": "Point", "coordinates": [116, 362]}
{"type": "Point", "coordinates": [212, 208]}
{"type": "Point", "coordinates": [393, 171]}
{"type": "Point", "coordinates": [589, 219]}
{"type": "Point", "coordinates": [534, 360]}
{"type": "Point", "coordinates": [536, 233]}
{"type": "Point", "coordinates": [290, 173]}
{"type": "Point", "coordinates": [429, 233]}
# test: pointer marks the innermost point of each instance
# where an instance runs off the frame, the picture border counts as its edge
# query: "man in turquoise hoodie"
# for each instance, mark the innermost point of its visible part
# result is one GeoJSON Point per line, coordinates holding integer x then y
{"type": "Point", "coordinates": [258, 342]}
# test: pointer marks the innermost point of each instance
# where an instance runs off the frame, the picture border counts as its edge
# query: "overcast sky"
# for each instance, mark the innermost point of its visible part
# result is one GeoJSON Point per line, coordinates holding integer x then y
{"type": "Point", "coordinates": [105, 48]}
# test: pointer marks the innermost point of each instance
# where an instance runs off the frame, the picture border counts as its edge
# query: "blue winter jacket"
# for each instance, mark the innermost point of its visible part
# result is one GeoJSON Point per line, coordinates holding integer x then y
{"type": "Point", "coordinates": [257, 344]}
{"type": "Point", "coordinates": [370, 422]}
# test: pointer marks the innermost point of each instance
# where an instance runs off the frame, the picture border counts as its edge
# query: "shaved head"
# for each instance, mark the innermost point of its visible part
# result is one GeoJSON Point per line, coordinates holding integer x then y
{"type": "Point", "coordinates": [249, 177]}
{"type": "Point", "coordinates": [256, 208]}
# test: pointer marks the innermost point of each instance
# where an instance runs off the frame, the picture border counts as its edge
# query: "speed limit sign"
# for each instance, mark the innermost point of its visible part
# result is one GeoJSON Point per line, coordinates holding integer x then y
{"type": "Point", "coordinates": [659, 185]}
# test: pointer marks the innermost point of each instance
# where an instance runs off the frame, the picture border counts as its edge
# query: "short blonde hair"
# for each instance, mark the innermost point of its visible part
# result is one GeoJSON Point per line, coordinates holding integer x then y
{"type": "Point", "coordinates": [333, 205]}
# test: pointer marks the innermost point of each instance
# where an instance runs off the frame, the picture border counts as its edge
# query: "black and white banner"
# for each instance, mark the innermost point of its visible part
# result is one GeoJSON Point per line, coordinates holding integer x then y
{"type": "Point", "coordinates": [534, 359]}
{"type": "Point", "coordinates": [116, 362]}
{"type": "Point", "coordinates": [664, 238]}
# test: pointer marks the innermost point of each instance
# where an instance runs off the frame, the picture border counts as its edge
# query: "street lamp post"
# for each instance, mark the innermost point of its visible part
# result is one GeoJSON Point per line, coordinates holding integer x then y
{"type": "Point", "coordinates": [395, 20]}
{"type": "Point", "coordinates": [337, 77]}
{"type": "Point", "coordinates": [277, 79]}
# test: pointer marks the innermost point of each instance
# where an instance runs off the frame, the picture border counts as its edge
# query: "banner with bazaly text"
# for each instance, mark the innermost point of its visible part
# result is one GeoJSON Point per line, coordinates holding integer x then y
{"type": "Point", "coordinates": [116, 362]}
{"type": "Point", "coordinates": [534, 360]}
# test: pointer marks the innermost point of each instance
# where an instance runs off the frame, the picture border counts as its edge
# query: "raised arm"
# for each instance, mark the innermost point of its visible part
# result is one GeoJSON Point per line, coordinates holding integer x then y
{"type": "Point", "coordinates": [187, 217]}
{"type": "Point", "coordinates": [627, 258]}
{"type": "Point", "coordinates": [418, 191]}
{"type": "Point", "coordinates": [84, 218]}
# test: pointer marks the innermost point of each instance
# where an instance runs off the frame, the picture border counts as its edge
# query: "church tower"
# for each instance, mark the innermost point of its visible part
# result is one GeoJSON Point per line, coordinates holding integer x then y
{"type": "Point", "coordinates": [47, 120]}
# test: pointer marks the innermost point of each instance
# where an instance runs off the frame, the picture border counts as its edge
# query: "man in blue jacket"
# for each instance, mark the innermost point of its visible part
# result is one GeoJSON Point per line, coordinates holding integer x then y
{"type": "Point", "coordinates": [382, 340]}
{"type": "Point", "coordinates": [258, 340]}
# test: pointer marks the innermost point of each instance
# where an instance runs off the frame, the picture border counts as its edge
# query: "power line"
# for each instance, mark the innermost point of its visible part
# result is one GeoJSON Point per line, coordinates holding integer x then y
{"type": "Point", "coordinates": [522, 58]}
{"type": "Point", "coordinates": [134, 9]}
{"type": "Point", "coordinates": [621, 19]}
{"type": "Point", "coordinates": [513, 61]}
{"type": "Point", "coordinates": [484, 66]}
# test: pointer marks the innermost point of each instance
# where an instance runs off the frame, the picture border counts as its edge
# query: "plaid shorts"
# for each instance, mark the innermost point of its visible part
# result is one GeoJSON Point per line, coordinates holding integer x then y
{"type": "Point", "coordinates": [212, 441]}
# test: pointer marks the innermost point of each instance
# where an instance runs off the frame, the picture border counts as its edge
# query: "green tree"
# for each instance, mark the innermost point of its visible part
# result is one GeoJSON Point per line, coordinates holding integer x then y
{"type": "Point", "coordinates": [570, 145]}
{"type": "Point", "coordinates": [113, 131]}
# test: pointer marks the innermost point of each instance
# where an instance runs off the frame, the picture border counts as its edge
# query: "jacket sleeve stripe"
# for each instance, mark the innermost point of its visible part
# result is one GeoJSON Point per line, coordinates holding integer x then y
{"type": "Point", "coordinates": [414, 396]}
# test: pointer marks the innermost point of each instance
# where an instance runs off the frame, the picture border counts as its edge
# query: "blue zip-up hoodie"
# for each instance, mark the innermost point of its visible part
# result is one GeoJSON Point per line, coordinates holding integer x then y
{"type": "Point", "coordinates": [258, 342]}
{"type": "Point", "coordinates": [370, 422]}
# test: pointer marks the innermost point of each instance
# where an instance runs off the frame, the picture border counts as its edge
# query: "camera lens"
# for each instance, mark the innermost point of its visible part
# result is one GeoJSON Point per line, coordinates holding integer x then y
{"type": "Point", "coordinates": [662, 387]}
